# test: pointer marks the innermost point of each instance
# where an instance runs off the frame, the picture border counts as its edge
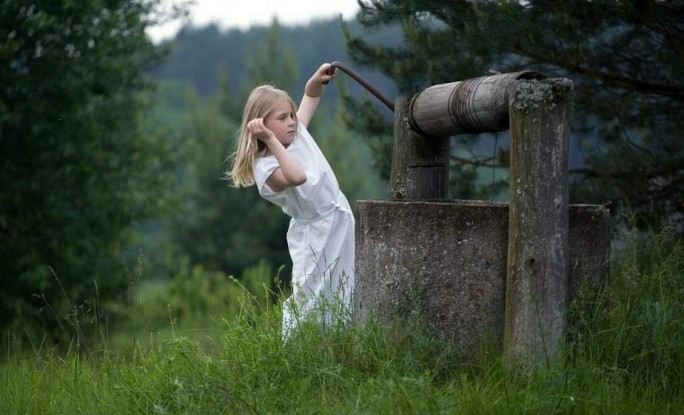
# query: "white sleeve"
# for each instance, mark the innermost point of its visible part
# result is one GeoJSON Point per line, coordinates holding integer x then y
{"type": "Point", "coordinates": [263, 169]}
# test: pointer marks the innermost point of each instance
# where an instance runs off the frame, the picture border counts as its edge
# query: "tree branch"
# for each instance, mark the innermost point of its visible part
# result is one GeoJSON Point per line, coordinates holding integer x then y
{"type": "Point", "coordinates": [672, 91]}
{"type": "Point", "coordinates": [629, 174]}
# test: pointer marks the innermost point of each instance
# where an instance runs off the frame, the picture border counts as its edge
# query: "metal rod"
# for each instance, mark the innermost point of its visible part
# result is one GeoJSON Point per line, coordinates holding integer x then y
{"type": "Point", "coordinates": [364, 83]}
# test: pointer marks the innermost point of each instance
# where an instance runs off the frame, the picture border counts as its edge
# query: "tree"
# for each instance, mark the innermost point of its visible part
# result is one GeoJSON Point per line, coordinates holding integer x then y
{"type": "Point", "coordinates": [78, 166]}
{"type": "Point", "coordinates": [625, 58]}
{"type": "Point", "coordinates": [221, 228]}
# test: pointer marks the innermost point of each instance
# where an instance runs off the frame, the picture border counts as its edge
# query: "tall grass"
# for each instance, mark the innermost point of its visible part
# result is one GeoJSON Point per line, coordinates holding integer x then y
{"type": "Point", "coordinates": [638, 341]}
{"type": "Point", "coordinates": [626, 357]}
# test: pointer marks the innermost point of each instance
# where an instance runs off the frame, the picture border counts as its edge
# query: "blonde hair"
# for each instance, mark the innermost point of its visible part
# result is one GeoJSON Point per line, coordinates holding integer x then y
{"type": "Point", "coordinates": [262, 100]}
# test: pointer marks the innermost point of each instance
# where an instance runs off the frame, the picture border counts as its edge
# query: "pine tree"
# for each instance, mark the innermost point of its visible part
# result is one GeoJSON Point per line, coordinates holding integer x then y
{"type": "Point", "coordinates": [625, 58]}
{"type": "Point", "coordinates": [78, 167]}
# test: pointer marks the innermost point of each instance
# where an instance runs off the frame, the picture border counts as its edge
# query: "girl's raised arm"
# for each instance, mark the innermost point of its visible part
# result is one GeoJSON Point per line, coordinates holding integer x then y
{"type": "Point", "coordinates": [313, 92]}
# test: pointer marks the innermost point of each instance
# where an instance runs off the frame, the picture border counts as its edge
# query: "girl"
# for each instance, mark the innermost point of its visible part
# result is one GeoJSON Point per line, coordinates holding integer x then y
{"type": "Point", "coordinates": [276, 152]}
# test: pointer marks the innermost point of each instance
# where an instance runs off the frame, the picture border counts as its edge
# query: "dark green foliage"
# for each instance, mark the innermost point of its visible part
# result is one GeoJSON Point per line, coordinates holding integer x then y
{"type": "Point", "coordinates": [198, 53]}
{"type": "Point", "coordinates": [77, 168]}
{"type": "Point", "coordinates": [218, 226]}
{"type": "Point", "coordinates": [377, 129]}
{"type": "Point", "coordinates": [624, 58]}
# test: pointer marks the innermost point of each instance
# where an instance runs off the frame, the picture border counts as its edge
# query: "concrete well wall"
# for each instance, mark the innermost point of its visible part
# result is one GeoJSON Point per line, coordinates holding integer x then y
{"type": "Point", "coordinates": [446, 263]}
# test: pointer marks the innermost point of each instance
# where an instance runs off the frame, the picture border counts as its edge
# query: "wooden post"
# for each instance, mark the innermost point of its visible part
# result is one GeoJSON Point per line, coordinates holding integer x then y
{"type": "Point", "coordinates": [537, 278]}
{"type": "Point", "coordinates": [420, 165]}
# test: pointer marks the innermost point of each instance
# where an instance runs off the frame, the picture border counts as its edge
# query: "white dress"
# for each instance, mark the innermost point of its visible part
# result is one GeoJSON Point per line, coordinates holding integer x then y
{"type": "Point", "coordinates": [320, 237]}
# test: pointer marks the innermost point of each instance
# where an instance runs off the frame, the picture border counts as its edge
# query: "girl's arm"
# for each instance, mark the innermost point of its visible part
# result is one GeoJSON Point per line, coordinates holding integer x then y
{"type": "Point", "coordinates": [313, 92]}
{"type": "Point", "coordinates": [290, 173]}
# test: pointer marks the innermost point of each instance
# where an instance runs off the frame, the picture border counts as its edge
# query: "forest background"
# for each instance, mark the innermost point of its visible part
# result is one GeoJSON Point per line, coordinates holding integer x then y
{"type": "Point", "coordinates": [114, 151]}
{"type": "Point", "coordinates": [114, 148]}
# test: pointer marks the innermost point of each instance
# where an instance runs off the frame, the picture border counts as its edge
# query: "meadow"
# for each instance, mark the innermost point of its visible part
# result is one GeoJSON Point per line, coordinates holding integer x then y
{"type": "Point", "coordinates": [625, 356]}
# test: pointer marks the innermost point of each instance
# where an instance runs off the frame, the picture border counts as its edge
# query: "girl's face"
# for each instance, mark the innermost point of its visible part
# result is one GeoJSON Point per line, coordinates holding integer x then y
{"type": "Point", "coordinates": [281, 121]}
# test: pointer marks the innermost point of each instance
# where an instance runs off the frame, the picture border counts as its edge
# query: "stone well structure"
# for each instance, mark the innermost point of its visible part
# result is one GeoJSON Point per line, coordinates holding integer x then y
{"type": "Point", "coordinates": [446, 262]}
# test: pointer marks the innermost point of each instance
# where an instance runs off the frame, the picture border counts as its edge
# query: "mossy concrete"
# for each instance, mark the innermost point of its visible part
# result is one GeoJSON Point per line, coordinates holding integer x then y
{"type": "Point", "coordinates": [445, 263]}
{"type": "Point", "coordinates": [538, 232]}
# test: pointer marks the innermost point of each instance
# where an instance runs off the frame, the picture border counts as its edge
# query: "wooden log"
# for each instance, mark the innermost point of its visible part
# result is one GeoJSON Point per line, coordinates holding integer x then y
{"type": "Point", "coordinates": [475, 105]}
{"type": "Point", "coordinates": [537, 264]}
{"type": "Point", "coordinates": [420, 167]}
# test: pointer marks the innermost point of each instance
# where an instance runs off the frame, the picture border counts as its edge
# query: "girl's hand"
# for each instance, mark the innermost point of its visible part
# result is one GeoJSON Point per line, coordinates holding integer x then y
{"type": "Point", "coordinates": [259, 130]}
{"type": "Point", "coordinates": [323, 75]}
{"type": "Point", "coordinates": [313, 91]}
{"type": "Point", "coordinates": [289, 173]}
{"type": "Point", "coordinates": [326, 73]}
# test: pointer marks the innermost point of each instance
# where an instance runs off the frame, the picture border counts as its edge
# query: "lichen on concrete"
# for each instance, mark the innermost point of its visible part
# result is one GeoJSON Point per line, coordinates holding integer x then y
{"type": "Point", "coordinates": [532, 94]}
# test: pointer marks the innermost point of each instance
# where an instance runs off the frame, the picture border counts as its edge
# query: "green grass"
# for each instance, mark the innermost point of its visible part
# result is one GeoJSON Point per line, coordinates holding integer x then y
{"type": "Point", "coordinates": [626, 357]}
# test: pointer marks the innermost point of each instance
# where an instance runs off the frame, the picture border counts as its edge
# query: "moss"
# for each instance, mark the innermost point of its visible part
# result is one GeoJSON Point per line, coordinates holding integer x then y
{"type": "Point", "coordinates": [546, 93]}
